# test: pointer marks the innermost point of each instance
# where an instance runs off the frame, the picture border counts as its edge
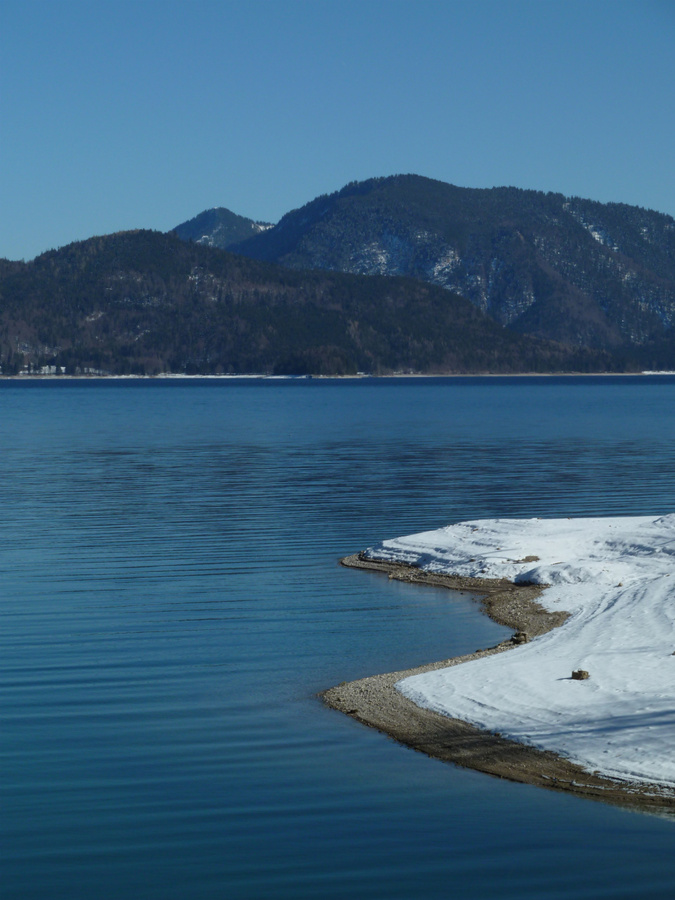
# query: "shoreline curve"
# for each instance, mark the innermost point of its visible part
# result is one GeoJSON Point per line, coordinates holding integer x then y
{"type": "Point", "coordinates": [374, 701]}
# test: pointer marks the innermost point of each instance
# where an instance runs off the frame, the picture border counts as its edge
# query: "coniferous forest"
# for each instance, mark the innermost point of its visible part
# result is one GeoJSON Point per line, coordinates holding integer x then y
{"type": "Point", "coordinates": [393, 275]}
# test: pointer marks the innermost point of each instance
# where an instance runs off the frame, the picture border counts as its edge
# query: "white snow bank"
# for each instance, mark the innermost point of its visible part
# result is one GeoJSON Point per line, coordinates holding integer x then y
{"type": "Point", "coordinates": [616, 576]}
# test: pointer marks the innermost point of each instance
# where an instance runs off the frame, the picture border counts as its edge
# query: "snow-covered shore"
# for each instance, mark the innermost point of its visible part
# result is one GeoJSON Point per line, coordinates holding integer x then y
{"type": "Point", "coordinates": [616, 577]}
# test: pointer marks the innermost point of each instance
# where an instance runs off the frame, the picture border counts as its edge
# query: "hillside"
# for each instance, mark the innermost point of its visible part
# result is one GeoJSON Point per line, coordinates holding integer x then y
{"type": "Point", "coordinates": [219, 227]}
{"type": "Point", "coordinates": [144, 302]}
{"type": "Point", "coordinates": [566, 269]}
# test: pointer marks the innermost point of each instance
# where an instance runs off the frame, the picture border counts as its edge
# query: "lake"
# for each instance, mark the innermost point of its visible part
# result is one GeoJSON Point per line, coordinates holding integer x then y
{"type": "Point", "coordinates": [172, 603]}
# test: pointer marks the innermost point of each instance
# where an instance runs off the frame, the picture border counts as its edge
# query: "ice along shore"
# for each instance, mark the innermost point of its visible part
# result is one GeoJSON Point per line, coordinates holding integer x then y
{"type": "Point", "coordinates": [584, 699]}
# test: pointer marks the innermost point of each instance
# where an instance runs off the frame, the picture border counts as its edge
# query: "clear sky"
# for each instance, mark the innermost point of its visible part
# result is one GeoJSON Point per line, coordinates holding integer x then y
{"type": "Point", "coordinates": [118, 114]}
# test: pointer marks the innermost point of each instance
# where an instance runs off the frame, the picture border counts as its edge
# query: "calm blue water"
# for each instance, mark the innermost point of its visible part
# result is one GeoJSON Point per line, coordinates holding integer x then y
{"type": "Point", "coordinates": [171, 604]}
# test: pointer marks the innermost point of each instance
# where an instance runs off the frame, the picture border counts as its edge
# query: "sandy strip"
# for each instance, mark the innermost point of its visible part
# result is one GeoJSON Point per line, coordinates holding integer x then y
{"type": "Point", "coordinates": [375, 701]}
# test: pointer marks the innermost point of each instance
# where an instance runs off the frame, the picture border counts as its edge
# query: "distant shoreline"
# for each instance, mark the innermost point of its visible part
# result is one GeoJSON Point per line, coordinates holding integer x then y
{"type": "Point", "coordinates": [376, 702]}
{"type": "Point", "coordinates": [261, 377]}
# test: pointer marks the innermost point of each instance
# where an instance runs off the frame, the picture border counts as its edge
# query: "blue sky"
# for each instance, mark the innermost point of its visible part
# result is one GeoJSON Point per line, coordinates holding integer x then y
{"type": "Point", "coordinates": [142, 113]}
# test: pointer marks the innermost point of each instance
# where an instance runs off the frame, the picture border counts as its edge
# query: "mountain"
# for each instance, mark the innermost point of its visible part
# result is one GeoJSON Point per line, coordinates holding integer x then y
{"type": "Point", "coordinates": [219, 227]}
{"type": "Point", "coordinates": [144, 302]}
{"type": "Point", "coordinates": [565, 269]}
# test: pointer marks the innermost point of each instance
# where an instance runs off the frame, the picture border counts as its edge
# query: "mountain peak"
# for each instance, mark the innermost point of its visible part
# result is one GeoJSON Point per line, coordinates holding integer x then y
{"type": "Point", "coordinates": [219, 227]}
{"type": "Point", "coordinates": [572, 270]}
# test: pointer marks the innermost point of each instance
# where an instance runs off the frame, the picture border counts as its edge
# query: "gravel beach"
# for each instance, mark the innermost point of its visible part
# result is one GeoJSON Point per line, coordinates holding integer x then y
{"type": "Point", "coordinates": [376, 702]}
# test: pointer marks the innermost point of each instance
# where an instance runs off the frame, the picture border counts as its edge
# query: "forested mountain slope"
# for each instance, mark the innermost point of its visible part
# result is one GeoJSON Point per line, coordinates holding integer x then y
{"type": "Point", "coordinates": [572, 270]}
{"type": "Point", "coordinates": [219, 227]}
{"type": "Point", "coordinates": [145, 302]}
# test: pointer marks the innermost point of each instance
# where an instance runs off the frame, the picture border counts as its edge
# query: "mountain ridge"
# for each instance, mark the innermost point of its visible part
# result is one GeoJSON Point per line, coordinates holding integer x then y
{"type": "Point", "coordinates": [219, 227]}
{"type": "Point", "coordinates": [142, 302]}
{"type": "Point", "coordinates": [556, 267]}
{"type": "Point", "coordinates": [393, 274]}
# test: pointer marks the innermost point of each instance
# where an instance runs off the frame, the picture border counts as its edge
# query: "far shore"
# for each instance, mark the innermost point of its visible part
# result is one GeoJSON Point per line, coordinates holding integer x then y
{"type": "Point", "coordinates": [376, 702]}
{"type": "Point", "coordinates": [168, 376]}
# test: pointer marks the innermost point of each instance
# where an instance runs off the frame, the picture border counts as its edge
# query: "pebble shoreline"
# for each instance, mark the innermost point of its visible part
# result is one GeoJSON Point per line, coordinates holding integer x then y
{"type": "Point", "coordinates": [374, 701]}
